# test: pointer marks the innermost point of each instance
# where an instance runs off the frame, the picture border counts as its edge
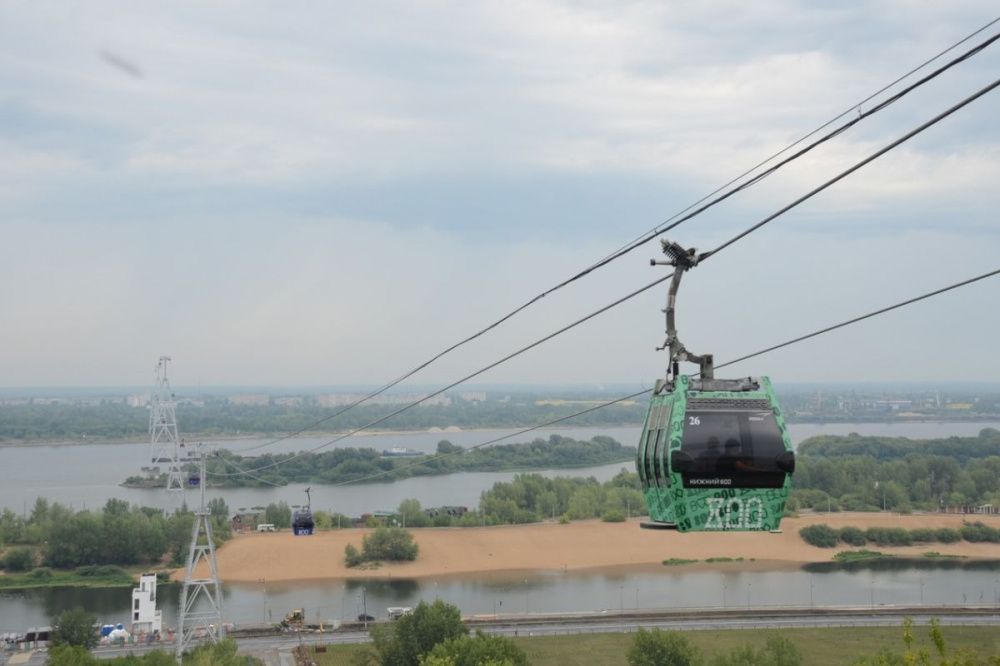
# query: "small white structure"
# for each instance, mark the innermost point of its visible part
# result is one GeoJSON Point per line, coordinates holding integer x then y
{"type": "Point", "coordinates": [146, 619]}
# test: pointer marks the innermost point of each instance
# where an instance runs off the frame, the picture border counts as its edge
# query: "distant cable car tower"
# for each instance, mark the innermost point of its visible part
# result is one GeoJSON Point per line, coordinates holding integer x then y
{"type": "Point", "coordinates": [163, 438]}
{"type": "Point", "coordinates": [200, 611]}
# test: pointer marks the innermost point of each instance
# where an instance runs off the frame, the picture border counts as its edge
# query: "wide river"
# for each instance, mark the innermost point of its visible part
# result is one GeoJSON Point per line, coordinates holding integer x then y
{"type": "Point", "coordinates": [86, 475]}
{"type": "Point", "coordinates": [611, 591]}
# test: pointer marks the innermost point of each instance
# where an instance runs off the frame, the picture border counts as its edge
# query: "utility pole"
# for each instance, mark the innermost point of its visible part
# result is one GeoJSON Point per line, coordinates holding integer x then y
{"type": "Point", "coordinates": [200, 613]}
{"type": "Point", "coordinates": [163, 438]}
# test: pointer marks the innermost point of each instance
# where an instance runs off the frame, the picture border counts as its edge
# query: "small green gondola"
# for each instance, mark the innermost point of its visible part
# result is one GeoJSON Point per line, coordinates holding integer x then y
{"type": "Point", "coordinates": [714, 454]}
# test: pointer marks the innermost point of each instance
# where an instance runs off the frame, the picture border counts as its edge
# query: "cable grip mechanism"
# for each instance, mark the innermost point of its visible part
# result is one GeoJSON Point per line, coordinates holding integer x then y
{"type": "Point", "coordinates": [682, 260]}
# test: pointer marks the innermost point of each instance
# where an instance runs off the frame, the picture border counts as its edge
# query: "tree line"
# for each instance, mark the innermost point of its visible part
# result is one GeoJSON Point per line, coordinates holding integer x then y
{"type": "Point", "coordinates": [825, 536]}
{"type": "Point", "coordinates": [55, 535]}
{"type": "Point", "coordinates": [113, 420]}
{"type": "Point", "coordinates": [860, 473]}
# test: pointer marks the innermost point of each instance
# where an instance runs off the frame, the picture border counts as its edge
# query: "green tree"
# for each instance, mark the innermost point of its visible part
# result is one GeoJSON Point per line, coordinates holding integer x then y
{"type": "Point", "coordinates": [218, 508]}
{"type": "Point", "coordinates": [475, 651]}
{"type": "Point", "coordinates": [662, 648]}
{"type": "Point", "coordinates": [412, 514]}
{"type": "Point", "coordinates": [408, 639]}
{"type": "Point", "coordinates": [389, 543]}
{"type": "Point", "coordinates": [279, 515]}
{"type": "Point", "coordinates": [75, 628]}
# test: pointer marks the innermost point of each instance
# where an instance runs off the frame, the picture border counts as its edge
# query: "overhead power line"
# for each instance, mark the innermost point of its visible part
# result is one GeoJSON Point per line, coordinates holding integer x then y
{"type": "Point", "coordinates": [770, 218]}
{"type": "Point", "coordinates": [631, 396]}
{"type": "Point", "coordinates": [686, 214]}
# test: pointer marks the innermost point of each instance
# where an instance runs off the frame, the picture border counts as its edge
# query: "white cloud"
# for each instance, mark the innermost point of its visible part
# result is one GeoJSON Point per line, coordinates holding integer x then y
{"type": "Point", "coordinates": [259, 107]}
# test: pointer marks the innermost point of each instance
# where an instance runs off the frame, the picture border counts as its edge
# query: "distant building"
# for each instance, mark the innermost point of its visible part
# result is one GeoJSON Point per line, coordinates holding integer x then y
{"type": "Point", "coordinates": [252, 399]}
{"type": "Point", "coordinates": [400, 452]}
{"type": "Point", "coordinates": [137, 400]}
{"type": "Point", "coordinates": [247, 521]}
{"type": "Point", "coordinates": [453, 511]}
{"type": "Point", "coordinates": [340, 399]}
{"type": "Point", "coordinates": [146, 619]}
{"type": "Point", "coordinates": [472, 396]}
{"type": "Point", "coordinates": [288, 401]}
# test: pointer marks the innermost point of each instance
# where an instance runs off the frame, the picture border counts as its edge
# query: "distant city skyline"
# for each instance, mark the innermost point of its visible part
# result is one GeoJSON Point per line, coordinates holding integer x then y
{"type": "Point", "coordinates": [336, 194]}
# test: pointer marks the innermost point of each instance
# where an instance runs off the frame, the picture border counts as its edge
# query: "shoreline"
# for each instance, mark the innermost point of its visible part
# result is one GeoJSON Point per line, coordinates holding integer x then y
{"type": "Point", "coordinates": [575, 547]}
{"type": "Point", "coordinates": [125, 441]}
{"type": "Point", "coordinates": [444, 432]}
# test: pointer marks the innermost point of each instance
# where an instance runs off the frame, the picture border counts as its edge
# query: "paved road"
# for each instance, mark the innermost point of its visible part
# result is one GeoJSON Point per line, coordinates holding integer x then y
{"type": "Point", "coordinates": [276, 649]}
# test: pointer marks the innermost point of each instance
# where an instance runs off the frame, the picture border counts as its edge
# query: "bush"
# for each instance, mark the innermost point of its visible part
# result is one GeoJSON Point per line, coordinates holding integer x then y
{"type": "Point", "coordinates": [41, 573]}
{"type": "Point", "coordinates": [946, 535]}
{"type": "Point", "coordinates": [822, 536]}
{"type": "Point", "coordinates": [613, 516]}
{"type": "Point", "coordinates": [979, 533]}
{"type": "Point", "coordinates": [856, 502]}
{"type": "Point", "coordinates": [352, 557]}
{"type": "Point", "coordinates": [482, 649]}
{"type": "Point", "coordinates": [923, 535]}
{"type": "Point", "coordinates": [662, 648]}
{"type": "Point", "coordinates": [778, 651]}
{"type": "Point", "coordinates": [853, 536]}
{"type": "Point", "coordinates": [889, 536]}
{"type": "Point", "coordinates": [18, 559]}
{"type": "Point", "coordinates": [389, 543]}
{"type": "Point", "coordinates": [75, 628]}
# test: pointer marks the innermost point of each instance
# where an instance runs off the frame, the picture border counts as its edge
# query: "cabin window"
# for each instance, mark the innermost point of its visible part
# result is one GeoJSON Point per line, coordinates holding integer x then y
{"type": "Point", "coordinates": [661, 439]}
{"type": "Point", "coordinates": [648, 462]}
{"type": "Point", "coordinates": [732, 448]}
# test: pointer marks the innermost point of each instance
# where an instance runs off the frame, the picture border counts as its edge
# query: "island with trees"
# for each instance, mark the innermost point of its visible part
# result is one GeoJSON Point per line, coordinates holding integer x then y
{"type": "Point", "coordinates": [340, 465]}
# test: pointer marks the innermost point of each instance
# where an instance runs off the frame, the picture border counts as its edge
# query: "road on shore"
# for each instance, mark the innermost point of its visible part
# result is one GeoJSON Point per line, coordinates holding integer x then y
{"type": "Point", "coordinates": [275, 650]}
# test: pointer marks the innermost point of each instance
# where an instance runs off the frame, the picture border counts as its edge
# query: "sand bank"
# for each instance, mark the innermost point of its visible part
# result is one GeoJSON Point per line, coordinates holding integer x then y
{"type": "Point", "coordinates": [572, 547]}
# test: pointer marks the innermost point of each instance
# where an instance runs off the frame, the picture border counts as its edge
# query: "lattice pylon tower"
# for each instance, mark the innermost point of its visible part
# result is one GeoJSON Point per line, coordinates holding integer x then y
{"type": "Point", "coordinates": [200, 612]}
{"type": "Point", "coordinates": [164, 442]}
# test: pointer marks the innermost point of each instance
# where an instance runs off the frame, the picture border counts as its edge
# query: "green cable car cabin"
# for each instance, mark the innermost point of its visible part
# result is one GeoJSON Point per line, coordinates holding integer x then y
{"type": "Point", "coordinates": [714, 454]}
{"type": "Point", "coordinates": [716, 459]}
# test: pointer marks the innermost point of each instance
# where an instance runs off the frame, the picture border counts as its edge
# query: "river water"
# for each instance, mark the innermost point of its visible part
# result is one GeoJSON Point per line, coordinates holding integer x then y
{"type": "Point", "coordinates": [668, 588]}
{"type": "Point", "coordinates": [85, 476]}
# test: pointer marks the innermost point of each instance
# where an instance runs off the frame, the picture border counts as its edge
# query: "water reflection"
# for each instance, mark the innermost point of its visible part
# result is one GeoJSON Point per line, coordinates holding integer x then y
{"type": "Point", "coordinates": [905, 564]}
{"type": "Point", "coordinates": [399, 589]}
{"type": "Point", "coordinates": [879, 582]}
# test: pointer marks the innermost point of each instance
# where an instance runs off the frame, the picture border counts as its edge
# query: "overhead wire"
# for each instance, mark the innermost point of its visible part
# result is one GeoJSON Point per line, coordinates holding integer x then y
{"type": "Point", "coordinates": [882, 151]}
{"type": "Point", "coordinates": [657, 229]}
{"type": "Point", "coordinates": [684, 215]}
{"type": "Point", "coordinates": [828, 329]}
{"type": "Point", "coordinates": [843, 174]}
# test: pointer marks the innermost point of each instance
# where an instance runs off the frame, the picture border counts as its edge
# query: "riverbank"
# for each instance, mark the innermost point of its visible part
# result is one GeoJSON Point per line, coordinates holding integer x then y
{"type": "Point", "coordinates": [43, 577]}
{"type": "Point", "coordinates": [251, 437]}
{"type": "Point", "coordinates": [576, 546]}
{"type": "Point", "coordinates": [992, 421]}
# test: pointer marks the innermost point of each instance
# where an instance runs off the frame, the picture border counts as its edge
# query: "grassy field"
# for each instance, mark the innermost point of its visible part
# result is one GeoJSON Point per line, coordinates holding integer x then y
{"type": "Point", "coordinates": [43, 577]}
{"type": "Point", "coordinates": [819, 647]}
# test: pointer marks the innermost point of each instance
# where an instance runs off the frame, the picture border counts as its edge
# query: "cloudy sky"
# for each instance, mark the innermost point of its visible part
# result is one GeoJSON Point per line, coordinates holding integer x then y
{"type": "Point", "coordinates": [330, 193]}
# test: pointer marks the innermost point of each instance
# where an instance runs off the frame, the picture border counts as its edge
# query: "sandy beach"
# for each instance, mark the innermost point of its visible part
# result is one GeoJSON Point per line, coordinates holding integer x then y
{"type": "Point", "coordinates": [575, 546]}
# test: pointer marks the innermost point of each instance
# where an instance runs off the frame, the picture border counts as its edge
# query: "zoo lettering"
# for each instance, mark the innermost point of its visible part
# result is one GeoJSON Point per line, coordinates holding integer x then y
{"type": "Point", "coordinates": [734, 514]}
